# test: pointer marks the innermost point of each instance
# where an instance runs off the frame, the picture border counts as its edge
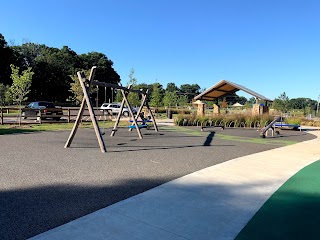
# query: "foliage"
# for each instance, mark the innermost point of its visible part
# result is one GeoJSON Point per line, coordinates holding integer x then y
{"type": "Point", "coordinates": [291, 120]}
{"type": "Point", "coordinates": [170, 99]}
{"type": "Point", "coordinates": [156, 96]}
{"type": "Point", "coordinates": [54, 67]}
{"type": "Point", "coordinates": [6, 58]}
{"type": "Point", "coordinates": [76, 89]}
{"type": "Point", "coordinates": [133, 97]}
{"type": "Point", "coordinates": [21, 84]}
{"type": "Point", "coordinates": [3, 93]}
{"type": "Point", "coordinates": [118, 97]}
{"type": "Point", "coordinates": [171, 87]}
{"type": "Point", "coordinates": [233, 120]}
{"type": "Point", "coordinates": [190, 91]}
{"type": "Point", "coordinates": [183, 100]}
{"type": "Point", "coordinates": [282, 103]}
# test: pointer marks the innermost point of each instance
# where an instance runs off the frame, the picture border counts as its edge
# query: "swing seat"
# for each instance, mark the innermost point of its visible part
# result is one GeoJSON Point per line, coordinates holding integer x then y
{"type": "Point", "coordinates": [139, 126]}
{"type": "Point", "coordinates": [141, 121]}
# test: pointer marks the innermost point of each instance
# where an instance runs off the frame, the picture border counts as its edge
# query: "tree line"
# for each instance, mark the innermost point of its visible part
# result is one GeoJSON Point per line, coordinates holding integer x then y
{"type": "Point", "coordinates": [54, 76]}
{"type": "Point", "coordinates": [53, 69]}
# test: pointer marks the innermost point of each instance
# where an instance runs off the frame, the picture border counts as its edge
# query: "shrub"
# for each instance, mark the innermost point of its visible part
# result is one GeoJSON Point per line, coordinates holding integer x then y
{"type": "Point", "coordinates": [234, 120]}
{"type": "Point", "coordinates": [291, 120]}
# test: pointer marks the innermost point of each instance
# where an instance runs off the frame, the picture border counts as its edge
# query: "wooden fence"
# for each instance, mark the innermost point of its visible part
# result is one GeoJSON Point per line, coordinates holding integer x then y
{"type": "Point", "coordinates": [11, 115]}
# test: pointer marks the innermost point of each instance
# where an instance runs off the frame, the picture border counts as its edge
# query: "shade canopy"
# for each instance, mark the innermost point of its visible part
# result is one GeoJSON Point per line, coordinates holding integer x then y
{"type": "Point", "coordinates": [237, 105]}
{"type": "Point", "coordinates": [224, 88]}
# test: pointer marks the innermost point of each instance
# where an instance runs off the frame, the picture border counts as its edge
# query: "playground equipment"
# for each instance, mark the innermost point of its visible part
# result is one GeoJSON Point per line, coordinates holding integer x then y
{"type": "Point", "coordinates": [264, 131]}
{"type": "Point", "coordinates": [282, 125]}
{"type": "Point", "coordinates": [86, 85]}
{"type": "Point", "coordinates": [143, 122]}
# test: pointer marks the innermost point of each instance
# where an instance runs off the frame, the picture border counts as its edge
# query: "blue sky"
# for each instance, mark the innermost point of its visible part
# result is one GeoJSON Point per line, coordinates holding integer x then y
{"type": "Point", "coordinates": [268, 46]}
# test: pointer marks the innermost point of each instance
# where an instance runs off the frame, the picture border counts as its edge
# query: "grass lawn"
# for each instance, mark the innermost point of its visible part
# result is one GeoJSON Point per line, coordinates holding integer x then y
{"type": "Point", "coordinates": [27, 128]}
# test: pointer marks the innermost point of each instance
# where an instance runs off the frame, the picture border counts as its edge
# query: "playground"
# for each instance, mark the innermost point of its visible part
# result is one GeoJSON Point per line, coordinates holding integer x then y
{"type": "Point", "coordinates": [45, 185]}
{"type": "Point", "coordinates": [56, 177]}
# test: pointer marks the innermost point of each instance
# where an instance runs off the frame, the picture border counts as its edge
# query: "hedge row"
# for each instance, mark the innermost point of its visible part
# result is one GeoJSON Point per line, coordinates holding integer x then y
{"type": "Point", "coordinates": [238, 120]}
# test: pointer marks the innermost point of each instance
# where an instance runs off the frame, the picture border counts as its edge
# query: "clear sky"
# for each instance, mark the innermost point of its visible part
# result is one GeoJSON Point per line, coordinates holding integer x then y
{"type": "Point", "coordinates": [269, 46]}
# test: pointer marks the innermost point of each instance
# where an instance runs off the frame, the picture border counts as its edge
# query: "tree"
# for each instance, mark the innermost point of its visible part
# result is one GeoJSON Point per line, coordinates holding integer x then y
{"type": "Point", "coordinates": [3, 92]}
{"type": "Point", "coordinates": [282, 103]}
{"type": "Point", "coordinates": [133, 97]}
{"type": "Point", "coordinates": [20, 85]}
{"type": "Point", "coordinates": [76, 89]}
{"type": "Point", "coordinates": [53, 67]}
{"type": "Point", "coordinates": [104, 73]}
{"type": "Point", "coordinates": [118, 97]}
{"type": "Point", "coordinates": [6, 58]}
{"type": "Point", "coordinates": [171, 87]}
{"type": "Point", "coordinates": [183, 100]}
{"type": "Point", "coordinates": [170, 98]}
{"type": "Point", "coordinates": [190, 90]}
{"type": "Point", "coordinates": [156, 96]}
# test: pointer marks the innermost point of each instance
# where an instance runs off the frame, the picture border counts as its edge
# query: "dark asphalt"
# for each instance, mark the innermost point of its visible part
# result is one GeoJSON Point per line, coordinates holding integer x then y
{"type": "Point", "coordinates": [44, 185]}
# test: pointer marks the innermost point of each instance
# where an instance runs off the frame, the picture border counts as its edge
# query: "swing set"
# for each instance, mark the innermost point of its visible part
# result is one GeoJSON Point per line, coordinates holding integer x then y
{"type": "Point", "coordinates": [86, 85]}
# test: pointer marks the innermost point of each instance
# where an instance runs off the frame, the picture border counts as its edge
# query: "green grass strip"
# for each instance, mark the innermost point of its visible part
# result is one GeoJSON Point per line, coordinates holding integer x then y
{"type": "Point", "coordinates": [257, 140]}
{"type": "Point", "coordinates": [29, 128]}
{"type": "Point", "coordinates": [292, 212]}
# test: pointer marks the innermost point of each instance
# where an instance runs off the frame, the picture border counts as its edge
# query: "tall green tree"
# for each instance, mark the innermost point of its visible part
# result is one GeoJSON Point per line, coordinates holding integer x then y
{"type": "Point", "coordinates": [20, 85]}
{"type": "Point", "coordinates": [183, 100]}
{"type": "Point", "coordinates": [170, 99]}
{"type": "Point", "coordinates": [133, 97]}
{"type": "Point", "coordinates": [76, 89]}
{"type": "Point", "coordinates": [105, 71]}
{"type": "Point", "coordinates": [6, 58]}
{"type": "Point", "coordinates": [171, 87]}
{"type": "Point", "coordinates": [3, 93]}
{"type": "Point", "coordinates": [282, 103]}
{"type": "Point", "coordinates": [190, 90]}
{"type": "Point", "coordinates": [156, 96]}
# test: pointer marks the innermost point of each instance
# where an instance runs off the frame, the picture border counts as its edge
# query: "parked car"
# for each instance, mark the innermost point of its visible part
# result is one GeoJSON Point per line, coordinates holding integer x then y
{"type": "Point", "coordinates": [47, 109]}
{"type": "Point", "coordinates": [114, 108]}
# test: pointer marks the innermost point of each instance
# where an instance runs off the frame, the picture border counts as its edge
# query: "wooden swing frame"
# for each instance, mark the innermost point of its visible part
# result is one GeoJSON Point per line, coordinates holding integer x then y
{"type": "Point", "coordinates": [86, 85]}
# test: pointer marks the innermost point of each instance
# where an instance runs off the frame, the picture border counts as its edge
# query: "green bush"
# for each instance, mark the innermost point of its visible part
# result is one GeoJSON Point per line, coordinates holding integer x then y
{"type": "Point", "coordinates": [291, 120]}
{"type": "Point", "coordinates": [233, 120]}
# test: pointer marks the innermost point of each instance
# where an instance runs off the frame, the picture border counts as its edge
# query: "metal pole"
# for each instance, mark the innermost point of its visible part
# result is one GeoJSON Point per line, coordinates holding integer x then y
{"type": "Point", "coordinates": [97, 101]}
{"type": "Point", "coordinates": [105, 94]}
{"type": "Point", "coordinates": [111, 94]}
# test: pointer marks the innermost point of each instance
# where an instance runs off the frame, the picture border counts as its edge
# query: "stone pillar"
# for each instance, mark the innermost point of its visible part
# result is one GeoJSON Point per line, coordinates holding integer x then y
{"type": "Point", "coordinates": [256, 109]}
{"type": "Point", "coordinates": [259, 110]}
{"type": "Point", "coordinates": [216, 109]}
{"type": "Point", "coordinates": [201, 109]}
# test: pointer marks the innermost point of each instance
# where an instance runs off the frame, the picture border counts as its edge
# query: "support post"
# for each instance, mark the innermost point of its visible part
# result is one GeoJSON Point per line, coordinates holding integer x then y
{"type": "Point", "coordinates": [87, 100]}
{"type": "Point", "coordinates": [1, 116]}
{"type": "Point", "coordinates": [119, 115]}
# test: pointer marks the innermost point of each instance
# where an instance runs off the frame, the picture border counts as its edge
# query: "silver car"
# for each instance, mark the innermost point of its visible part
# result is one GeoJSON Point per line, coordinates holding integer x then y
{"type": "Point", "coordinates": [114, 108]}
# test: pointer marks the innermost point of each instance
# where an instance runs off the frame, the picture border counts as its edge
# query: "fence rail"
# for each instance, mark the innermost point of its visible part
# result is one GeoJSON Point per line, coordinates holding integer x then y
{"type": "Point", "coordinates": [11, 115]}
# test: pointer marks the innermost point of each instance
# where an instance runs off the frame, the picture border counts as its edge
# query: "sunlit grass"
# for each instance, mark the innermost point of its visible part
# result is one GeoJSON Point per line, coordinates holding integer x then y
{"type": "Point", "coordinates": [28, 128]}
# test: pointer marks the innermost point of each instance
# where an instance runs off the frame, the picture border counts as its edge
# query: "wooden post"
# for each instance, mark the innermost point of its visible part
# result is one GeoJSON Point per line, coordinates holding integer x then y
{"type": "Point", "coordinates": [81, 110]}
{"type": "Point", "coordinates": [92, 115]}
{"type": "Point", "coordinates": [86, 99]}
{"type": "Point", "coordinates": [1, 116]}
{"type": "Point", "coordinates": [152, 117]}
{"type": "Point", "coordinates": [119, 115]}
{"type": "Point", "coordinates": [69, 117]}
{"type": "Point", "coordinates": [40, 117]}
{"type": "Point", "coordinates": [131, 113]}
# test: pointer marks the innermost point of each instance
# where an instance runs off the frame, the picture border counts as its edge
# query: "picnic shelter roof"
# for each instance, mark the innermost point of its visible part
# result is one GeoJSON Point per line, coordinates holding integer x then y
{"type": "Point", "coordinates": [223, 88]}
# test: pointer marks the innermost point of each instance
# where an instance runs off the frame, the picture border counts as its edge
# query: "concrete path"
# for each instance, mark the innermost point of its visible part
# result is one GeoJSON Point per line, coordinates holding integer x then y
{"type": "Point", "coordinates": [213, 203]}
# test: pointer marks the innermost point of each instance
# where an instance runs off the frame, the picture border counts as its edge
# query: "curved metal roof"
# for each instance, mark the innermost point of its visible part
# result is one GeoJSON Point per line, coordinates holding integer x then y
{"type": "Point", "coordinates": [223, 88]}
